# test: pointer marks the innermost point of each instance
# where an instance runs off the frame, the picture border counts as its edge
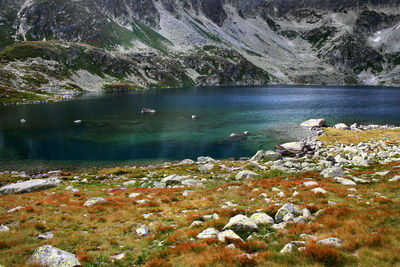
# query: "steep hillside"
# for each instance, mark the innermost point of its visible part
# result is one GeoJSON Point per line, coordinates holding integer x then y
{"type": "Point", "coordinates": [303, 42]}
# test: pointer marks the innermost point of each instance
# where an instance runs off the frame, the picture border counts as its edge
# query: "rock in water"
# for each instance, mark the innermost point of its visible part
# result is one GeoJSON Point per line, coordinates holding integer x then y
{"type": "Point", "coordinates": [29, 186]}
{"type": "Point", "coordinates": [242, 224]}
{"type": "Point", "coordinates": [314, 123]}
{"type": "Point", "coordinates": [53, 257]}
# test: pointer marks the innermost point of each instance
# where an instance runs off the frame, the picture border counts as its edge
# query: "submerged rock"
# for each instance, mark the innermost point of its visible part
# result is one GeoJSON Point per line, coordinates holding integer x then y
{"type": "Point", "coordinates": [53, 257]}
{"type": "Point", "coordinates": [29, 186]}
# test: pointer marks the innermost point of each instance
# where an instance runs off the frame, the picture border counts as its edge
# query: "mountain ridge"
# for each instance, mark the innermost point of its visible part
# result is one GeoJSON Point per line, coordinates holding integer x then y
{"type": "Point", "coordinates": [295, 42]}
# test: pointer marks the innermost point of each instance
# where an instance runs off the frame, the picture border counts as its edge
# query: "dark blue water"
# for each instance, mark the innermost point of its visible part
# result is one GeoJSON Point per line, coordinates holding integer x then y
{"type": "Point", "coordinates": [113, 130]}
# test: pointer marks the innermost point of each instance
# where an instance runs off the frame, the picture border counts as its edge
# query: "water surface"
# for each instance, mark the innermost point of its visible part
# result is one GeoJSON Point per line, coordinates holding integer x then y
{"type": "Point", "coordinates": [114, 131]}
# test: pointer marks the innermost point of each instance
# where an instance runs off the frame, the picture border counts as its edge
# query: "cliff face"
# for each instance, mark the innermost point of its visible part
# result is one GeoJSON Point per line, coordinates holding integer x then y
{"type": "Point", "coordinates": [309, 41]}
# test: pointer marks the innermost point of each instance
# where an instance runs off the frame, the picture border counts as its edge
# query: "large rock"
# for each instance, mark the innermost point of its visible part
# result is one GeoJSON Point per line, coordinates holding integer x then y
{"type": "Point", "coordinates": [292, 146]}
{"type": "Point", "coordinates": [94, 201]}
{"type": "Point", "coordinates": [314, 123]}
{"type": "Point", "coordinates": [288, 208]}
{"type": "Point", "coordinates": [342, 126]}
{"type": "Point", "coordinates": [245, 174]}
{"type": "Point", "coordinates": [208, 233]}
{"type": "Point", "coordinates": [228, 234]}
{"type": "Point", "coordinates": [53, 257]}
{"type": "Point", "coordinates": [344, 181]}
{"type": "Point", "coordinates": [332, 172]}
{"type": "Point", "coordinates": [266, 155]}
{"type": "Point", "coordinates": [29, 186]}
{"type": "Point", "coordinates": [206, 167]}
{"type": "Point", "coordinates": [241, 224]}
{"type": "Point", "coordinates": [359, 161]}
{"type": "Point", "coordinates": [4, 228]}
{"type": "Point", "coordinates": [262, 219]}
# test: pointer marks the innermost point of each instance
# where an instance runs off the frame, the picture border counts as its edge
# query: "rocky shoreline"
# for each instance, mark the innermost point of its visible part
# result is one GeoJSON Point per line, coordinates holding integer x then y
{"type": "Point", "coordinates": [328, 165]}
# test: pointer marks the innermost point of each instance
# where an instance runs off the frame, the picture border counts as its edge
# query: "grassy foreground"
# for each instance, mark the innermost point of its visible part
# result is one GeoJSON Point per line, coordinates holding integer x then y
{"type": "Point", "coordinates": [366, 218]}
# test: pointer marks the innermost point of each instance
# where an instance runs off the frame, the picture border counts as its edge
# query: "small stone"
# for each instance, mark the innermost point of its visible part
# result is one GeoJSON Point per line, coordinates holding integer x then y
{"type": "Point", "coordinates": [94, 201]}
{"type": "Point", "coordinates": [196, 223]}
{"type": "Point", "coordinates": [319, 190]}
{"type": "Point", "coordinates": [15, 209]}
{"type": "Point", "coordinates": [47, 235]}
{"type": "Point", "coordinates": [331, 241]}
{"type": "Point", "coordinates": [133, 195]}
{"type": "Point", "coordinates": [287, 248]}
{"type": "Point", "coordinates": [119, 256]}
{"type": "Point", "coordinates": [4, 228]}
{"type": "Point", "coordinates": [394, 179]}
{"type": "Point", "coordinates": [143, 231]}
{"type": "Point", "coordinates": [310, 183]}
{"type": "Point", "coordinates": [344, 181]}
{"type": "Point", "coordinates": [245, 174]}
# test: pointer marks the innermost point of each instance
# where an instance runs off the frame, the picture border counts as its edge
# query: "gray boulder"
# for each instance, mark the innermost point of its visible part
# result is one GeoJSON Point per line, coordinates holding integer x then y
{"type": "Point", "coordinates": [94, 201]}
{"type": "Point", "coordinates": [4, 228]}
{"type": "Point", "coordinates": [331, 241]}
{"type": "Point", "coordinates": [245, 174]}
{"type": "Point", "coordinates": [242, 224]}
{"type": "Point", "coordinates": [332, 172]}
{"type": "Point", "coordinates": [314, 123]}
{"type": "Point", "coordinates": [187, 161]}
{"type": "Point", "coordinates": [292, 146]}
{"type": "Point", "coordinates": [29, 186]}
{"type": "Point", "coordinates": [262, 219]}
{"type": "Point", "coordinates": [206, 167]}
{"type": "Point", "coordinates": [208, 233]}
{"type": "Point", "coordinates": [342, 126]}
{"type": "Point", "coordinates": [53, 257]}
{"type": "Point", "coordinates": [266, 155]}
{"type": "Point", "coordinates": [287, 208]}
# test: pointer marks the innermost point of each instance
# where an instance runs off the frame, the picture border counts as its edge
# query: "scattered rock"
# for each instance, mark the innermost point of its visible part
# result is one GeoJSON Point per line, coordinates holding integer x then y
{"type": "Point", "coordinates": [119, 256]}
{"type": "Point", "coordinates": [344, 181]}
{"type": "Point", "coordinates": [394, 179]}
{"type": "Point", "coordinates": [287, 248]}
{"type": "Point", "coordinates": [262, 219]}
{"type": "Point", "coordinates": [4, 228]}
{"type": "Point", "coordinates": [332, 172]}
{"type": "Point", "coordinates": [133, 195]}
{"type": "Point", "coordinates": [245, 174]}
{"type": "Point", "coordinates": [319, 190]}
{"type": "Point", "coordinates": [53, 257]}
{"type": "Point", "coordinates": [331, 241]}
{"type": "Point", "coordinates": [266, 155]}
{"type": "Point", "coordinates": [222, 236]}
{"type": "Point", "coordinates": [29, 186]}
{"type": "Point", "coordinates": [15, 209]}
{"type": "Point", "coordinates": [143, 231]}
{"type": "Point", "coordinates": [310, 183]}
{"type": "Point", "coordinates": [292, 146]}
{"type": "Point", "coordinates": [196, 223]}
{"type": "Point", "coordinates": [94, 201]}
{"type": "Point", "coordinates": [242, 224]}
{"type": "Point", "coordinates": [187, 161]}
{"type": "Point", "coordinates": [206, 167]}
{"type": "Point", "coordinates": [342, 126]}
{"type": "Point", "coordinates": [208, 233]}
{"type": "Point", "coordinates": [47, 235]}
{"type": "Point", "coordinates": [287, 208]}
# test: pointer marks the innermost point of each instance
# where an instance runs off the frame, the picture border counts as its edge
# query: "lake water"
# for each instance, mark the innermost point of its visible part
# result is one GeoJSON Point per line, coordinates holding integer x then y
{"type": "Point", "coordinates": [113, 130]}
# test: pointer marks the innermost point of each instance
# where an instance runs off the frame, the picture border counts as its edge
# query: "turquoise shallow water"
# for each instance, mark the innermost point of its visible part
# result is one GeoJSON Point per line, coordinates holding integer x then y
{"type": "Point", "coordinates": [113, 130]}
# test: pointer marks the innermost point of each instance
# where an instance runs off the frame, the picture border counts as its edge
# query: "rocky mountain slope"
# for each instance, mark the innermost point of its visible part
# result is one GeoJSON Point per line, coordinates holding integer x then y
{"type": "Point", "coordinates": [289, 41]}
